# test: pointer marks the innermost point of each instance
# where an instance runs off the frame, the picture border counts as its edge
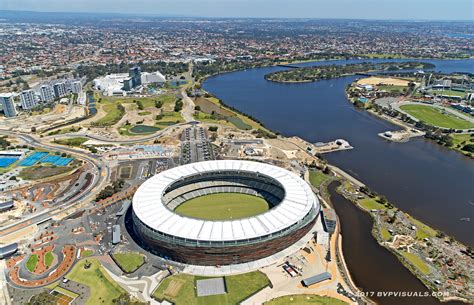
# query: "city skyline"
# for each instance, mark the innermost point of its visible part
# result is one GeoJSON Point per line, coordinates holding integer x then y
{"type": "Point", "coordinates": [364, 9]}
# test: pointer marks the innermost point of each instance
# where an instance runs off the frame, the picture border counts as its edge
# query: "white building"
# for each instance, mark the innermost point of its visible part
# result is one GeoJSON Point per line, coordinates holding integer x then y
{"type": "Point", "coordinates": [28, 99]}
{"type": "Point", "coordinates": [153, 77]}
{"type": "Point", "coordinates": [111, 84]}
{"type": "Point", "coordinates": [8, 105]}
{"type": "Point", "coordinates": [76, 86]}
{"type": "Point", "coordinates": [47, 93]}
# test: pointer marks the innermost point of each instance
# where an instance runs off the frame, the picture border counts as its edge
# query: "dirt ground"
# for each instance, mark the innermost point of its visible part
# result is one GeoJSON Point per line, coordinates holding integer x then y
{"type": "Point", "coordinates": [383, 81]}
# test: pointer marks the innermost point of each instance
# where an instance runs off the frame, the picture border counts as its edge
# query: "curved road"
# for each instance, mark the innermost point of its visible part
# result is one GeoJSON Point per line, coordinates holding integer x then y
{"type": "Point", "coordinates": [100, 174]}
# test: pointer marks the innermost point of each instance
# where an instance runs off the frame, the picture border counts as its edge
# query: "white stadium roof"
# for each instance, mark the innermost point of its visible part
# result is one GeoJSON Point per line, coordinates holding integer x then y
{"type": "Point", "coordinates": [150, 209]}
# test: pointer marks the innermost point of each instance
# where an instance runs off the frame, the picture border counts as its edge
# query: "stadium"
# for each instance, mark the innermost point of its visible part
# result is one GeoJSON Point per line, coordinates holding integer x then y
{"type": "Point", "coordinates": [222, 212]}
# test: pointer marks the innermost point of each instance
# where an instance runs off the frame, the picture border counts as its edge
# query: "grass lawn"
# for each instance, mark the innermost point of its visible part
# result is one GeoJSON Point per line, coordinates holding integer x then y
{"type": "Point", "coordinates": [386, 234]}
{"type": "Point", "coordinates": [113, 115]}
{"type": "Point", "coordinates": [40, 172]}
{"type": "Point", "coordinates": [103, 289]}
{"type": "Point", "coordinates": [142, 113]}
{"type": "Point", "coordinates": [223, 206]}
{"type": "Point", "coordinates": [48, 259]}
{"type": "Point", "coordinates": [179, 289]}
{"type": "Point", "coordinates": [129, 261]}
{"type": "Point", "coordinates": [86, 253]}
{"type": "Point", "coordinates": [434, 116]}
{"type": "Point", "coordinates": [169, 118]}
{"type": "Point", "coordinates": [32, 262]}
{"type": "Point", "coordinates": [393, 88]}
{"type": "Point", "coordinates": [460, 140]}
{"type": "Point", "coordinates": [416, 261]}
{"type": "Point", "coordinates": [303, 299]}
{"type": "Point", "coordinates": [317, 177]}
{"type": "Point", "coordinates": [448, 92]}
{"type": "Point", "coordinates": [77, 141]}
{"type": "Point", "coordinates": [422, 230]}
{"type": "Point", "coordinates": [371, 204]}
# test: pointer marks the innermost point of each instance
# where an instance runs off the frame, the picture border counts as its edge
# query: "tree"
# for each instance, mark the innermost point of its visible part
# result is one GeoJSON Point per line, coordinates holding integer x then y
{"type": "Point", "coordinates": [126, 299]}
{"type": "Point", "coordinates": [178, 106]}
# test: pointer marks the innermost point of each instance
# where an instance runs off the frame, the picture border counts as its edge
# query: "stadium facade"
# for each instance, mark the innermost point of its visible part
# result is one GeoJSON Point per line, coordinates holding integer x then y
{"type": "Point", "coordinates": [293, 211]}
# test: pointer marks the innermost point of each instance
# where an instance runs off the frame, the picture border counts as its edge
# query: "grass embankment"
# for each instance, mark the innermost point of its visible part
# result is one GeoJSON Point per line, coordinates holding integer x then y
{"type": "Point", "coordinates": [316, 178]}
{"type": "Point", "coordinates": [180, 290]}
{"type": "Point", "coordinates": [32, 262]}
{"type": "Point", "coordinates": [129, 261]}
{"type": "Point", "coordinates": [436, 117]}
{"type": "Point", "coordinates": [371, 204]}
{"type": "Point", "coordinates": [212, 111]}
{"type": "Point", "coordinates": [305, 299]}
{"type": "Point", "coordinates": [223, 206]}
{"type": "Point", "coordinates": [77, 141]}
{"type": "Point", "coordinates": [102, 288]}
{"type": "Point", "coordinates": [114, 112]}
{"type": "Point", "coordinates": [40, 172]}
{"type": "Point", "coordinates": [463, 143]}
{"type": "Point", "coordinates": [416, 261]}
{"type": "Point", "coordinates": [422, 230]}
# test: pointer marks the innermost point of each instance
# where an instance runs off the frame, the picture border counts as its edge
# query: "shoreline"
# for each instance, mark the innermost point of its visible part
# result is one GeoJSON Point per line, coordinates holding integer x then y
{"type": "Point", "coordinates": [405, 126]}
{"type": "Point", "coordinates": [345, 176]}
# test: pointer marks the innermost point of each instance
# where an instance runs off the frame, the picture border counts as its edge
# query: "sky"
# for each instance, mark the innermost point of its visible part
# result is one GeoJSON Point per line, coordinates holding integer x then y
{"type": "Point", "coordinates": [357, 9]}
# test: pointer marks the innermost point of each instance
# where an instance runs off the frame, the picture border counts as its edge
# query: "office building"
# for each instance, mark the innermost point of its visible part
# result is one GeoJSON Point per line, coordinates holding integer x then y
{"type": "Point", "coordinates": [135, 74]}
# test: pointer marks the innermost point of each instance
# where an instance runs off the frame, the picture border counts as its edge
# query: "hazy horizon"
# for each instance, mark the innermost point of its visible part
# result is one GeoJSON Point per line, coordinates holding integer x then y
{"type": "Point", "coordinates": [453, 10]}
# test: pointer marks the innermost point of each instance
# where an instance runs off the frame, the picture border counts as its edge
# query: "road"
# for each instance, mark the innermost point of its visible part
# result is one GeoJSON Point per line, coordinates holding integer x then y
{"type": "Point", "coordinates": [100, 172]}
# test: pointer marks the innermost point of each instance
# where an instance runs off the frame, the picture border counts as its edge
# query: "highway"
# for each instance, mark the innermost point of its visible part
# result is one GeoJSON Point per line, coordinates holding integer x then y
{"type": "Point", "coordinates": [100, 172]}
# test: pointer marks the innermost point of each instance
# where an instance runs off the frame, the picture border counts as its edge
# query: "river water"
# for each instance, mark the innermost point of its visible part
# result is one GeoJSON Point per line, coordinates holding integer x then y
{"type": "Point", "coordinates": [430, 182]}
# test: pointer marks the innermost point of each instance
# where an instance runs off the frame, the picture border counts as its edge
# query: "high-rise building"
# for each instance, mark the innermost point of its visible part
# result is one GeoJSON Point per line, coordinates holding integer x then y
{"type": "Point", "coordinates": [128, 84]}
{"type": "Point", "coordinates": [59, 89]}
{"type": "Point", "coordinates": [135, 74]}
{"type": "Point", "coordinates": [47, 93]}
{"type": "Point", "coordinates": [8, 105]}
{"type": "Point", "coordinates": [28, 99]}
{"type": "Point", "coordinates": [76, 86]}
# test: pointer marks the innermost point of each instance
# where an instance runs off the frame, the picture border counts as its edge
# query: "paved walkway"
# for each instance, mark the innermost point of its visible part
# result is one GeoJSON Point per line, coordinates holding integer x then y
{"type": "Point", "coordinates": [140, 288]}
{"type": "Point", "coordinates": [255, 265]}
{"type": "Point", "coordinates": [188, 107]}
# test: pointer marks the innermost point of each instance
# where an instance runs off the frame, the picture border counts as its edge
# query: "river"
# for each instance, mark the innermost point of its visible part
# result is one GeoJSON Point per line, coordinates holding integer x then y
{"type": "Point", "coordinates": [430, 182]}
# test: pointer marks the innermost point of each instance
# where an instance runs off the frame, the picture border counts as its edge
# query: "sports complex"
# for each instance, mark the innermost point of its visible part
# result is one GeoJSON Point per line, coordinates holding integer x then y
{"type": "Point", "coordinates": [222, 212]}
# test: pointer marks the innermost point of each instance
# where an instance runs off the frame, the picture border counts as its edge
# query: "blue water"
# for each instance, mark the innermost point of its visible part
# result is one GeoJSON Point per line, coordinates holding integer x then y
{"type": "Point", "coordinates": [430, 182]}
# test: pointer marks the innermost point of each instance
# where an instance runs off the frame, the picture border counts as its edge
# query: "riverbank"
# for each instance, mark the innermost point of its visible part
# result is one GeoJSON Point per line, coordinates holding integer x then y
{"type": "Point", "coordinates": [325, 72]}
{"type": "Point", "coordinates": [351, 189]}
{"type": "Point", "coordinates": [275, 112]}
{"type": "Point", "coordinates": [410, 130]}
